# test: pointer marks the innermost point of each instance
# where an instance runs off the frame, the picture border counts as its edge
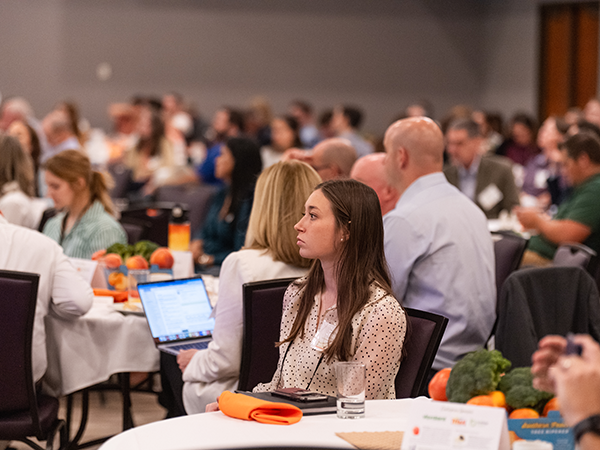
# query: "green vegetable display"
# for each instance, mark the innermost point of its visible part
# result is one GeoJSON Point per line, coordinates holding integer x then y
{"type": "Point", "coordinates": [142, 248]}
{"type": "Point", "coordinates": [517, 386]}
{"type": "Point", "coordinates": [478, 373]}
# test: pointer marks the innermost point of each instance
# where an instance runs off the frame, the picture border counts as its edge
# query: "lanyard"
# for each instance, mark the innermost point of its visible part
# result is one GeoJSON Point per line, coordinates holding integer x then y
{"type": "Point", "coordinates": [313, 374]}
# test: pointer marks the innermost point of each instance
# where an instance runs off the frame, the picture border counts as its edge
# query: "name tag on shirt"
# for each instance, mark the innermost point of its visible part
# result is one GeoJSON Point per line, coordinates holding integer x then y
{"type": "Point", "coordinates": [540, 179]}
{"type": "Point", "coordinates": [490, 197]}
{"type": "Point", "coordinates": [321, 340]}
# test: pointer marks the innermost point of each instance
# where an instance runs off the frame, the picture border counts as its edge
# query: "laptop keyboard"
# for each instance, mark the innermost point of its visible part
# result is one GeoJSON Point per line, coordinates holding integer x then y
{"type": "Point", "coordinates": [192, 346]}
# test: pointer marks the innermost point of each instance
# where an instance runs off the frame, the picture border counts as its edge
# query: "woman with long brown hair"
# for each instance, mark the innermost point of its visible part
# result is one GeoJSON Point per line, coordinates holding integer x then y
{"type": "Point", "coordinates": [85, 223]}
{"type": "Point", "coordinates": [344, 309]}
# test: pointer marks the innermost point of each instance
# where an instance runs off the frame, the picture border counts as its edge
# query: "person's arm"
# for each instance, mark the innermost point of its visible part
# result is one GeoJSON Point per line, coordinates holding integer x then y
{"type": "Point", "coordinates": [577, 383]}
{"type": "Point", "coordinates": [380, 346]}
{"type": "Point", "coordinates": [402, 248]}
{"type": "Point", "coordinates": [222, 357]}
{"type": "Point", "coordinates": [72, 296]}
{"type": "Point", "coordinates": [556, 231]}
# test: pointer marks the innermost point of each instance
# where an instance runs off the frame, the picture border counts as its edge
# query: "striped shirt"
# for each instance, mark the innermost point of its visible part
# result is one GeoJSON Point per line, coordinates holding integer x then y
{"type": "Point", "coordinates": [94, 231]}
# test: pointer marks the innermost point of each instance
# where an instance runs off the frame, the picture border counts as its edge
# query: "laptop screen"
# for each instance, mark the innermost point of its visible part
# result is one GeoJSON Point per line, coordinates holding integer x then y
{"type": "Point", "coordinates": [177, 309]}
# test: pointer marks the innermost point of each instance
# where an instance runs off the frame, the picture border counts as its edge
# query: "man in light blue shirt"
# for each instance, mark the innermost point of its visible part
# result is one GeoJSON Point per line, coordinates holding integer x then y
{"type": "Point", "coordinates": [437, 244]}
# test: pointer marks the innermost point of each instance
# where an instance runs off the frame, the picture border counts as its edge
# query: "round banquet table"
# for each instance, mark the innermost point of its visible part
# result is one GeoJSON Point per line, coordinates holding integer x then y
{"type": "Point", "coordinates": [217, 431]}
{"type": "Point", "coordinates": [88, 350]}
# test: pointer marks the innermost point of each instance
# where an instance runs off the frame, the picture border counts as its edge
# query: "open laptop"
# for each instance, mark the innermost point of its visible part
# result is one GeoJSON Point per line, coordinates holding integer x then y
{"type": "Point", "coordinates": [178, 313]}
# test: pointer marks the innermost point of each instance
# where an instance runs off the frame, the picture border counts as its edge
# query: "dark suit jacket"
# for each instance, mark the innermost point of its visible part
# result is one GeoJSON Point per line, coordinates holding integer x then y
{"type": "Point", "coordinates": [492, 170]}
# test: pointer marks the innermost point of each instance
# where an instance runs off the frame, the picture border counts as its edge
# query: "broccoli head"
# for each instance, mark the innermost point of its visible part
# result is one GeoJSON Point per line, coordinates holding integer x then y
{"type": "Point", "coordinates": [478, 373]}
{"type": "Point", "coordinates": [517, 386]}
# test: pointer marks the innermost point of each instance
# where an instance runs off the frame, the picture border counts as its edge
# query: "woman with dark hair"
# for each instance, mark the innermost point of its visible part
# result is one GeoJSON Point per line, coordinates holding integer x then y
{"type": "Point", "coordinates": [285, 134]}
{"type": "Point", "coordinates": [521, 146]}
{"type": "Point", "coordinates": [85, 223]}
{"type": "Point", "coordinates": [30, 143]}
{"type": "Point", "coordinates": [344, 309]}
{"type": "Point", "coordinates": [224, 229]}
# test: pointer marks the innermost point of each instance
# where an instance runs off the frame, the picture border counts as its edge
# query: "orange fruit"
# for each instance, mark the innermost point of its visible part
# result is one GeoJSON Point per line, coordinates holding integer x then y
{"type": "Point", "coordinates": [112, 261]}
{"type": "Point", "coordinates": [551, 406]}
{"type": "Point", "coordinates": [437, 385]}
{"type": "Point", "coordinates": [524, 413]}
{"type": "Point", "coordinates": [136, 262]}
{"type": "Point", "coordinates": [498, 398]}
{"type": "Point", "coordinates": [163, 258]}
{"type": "Point", "coordinates": [481, 400]}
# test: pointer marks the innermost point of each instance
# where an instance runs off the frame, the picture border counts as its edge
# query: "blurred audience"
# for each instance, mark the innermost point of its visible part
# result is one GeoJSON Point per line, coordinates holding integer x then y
{"type": "Point", "coordinates": [490, 128]}
{"type": "Point", "coordinates": [486, 179]}
{"type": "Point", "coordinates": [30, 143]}
{"type": "Point", "coordinates": [543, 184]}
{"type": "Point", "coordinates": [258, 120]}
{"type": "Point", "coordinates": [59, 134]}
{"type": "Point", "coordinates": [284, 135]}
{"type": "Point", "coordinates": [578, 216]}
{"type": "Point", "coordinates": [17, 185]}
{"type": "Point", "coordinates": [85, 223]}
{"type": "Point", "coordinates": [331, 158]}
{"type": "Point", "coordinates": [520, 146]}
{"type": "Point", "coordinates": [346, 122]}
{"type": "Point", "coordinates": [304, 114]}
{"type": "Point", "coordinates": [227, 122]}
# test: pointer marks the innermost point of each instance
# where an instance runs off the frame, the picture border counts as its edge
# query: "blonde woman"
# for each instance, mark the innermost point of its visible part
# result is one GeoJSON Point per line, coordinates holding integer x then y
{"type": "Point", "coordinates": [17, 185]}
{"type": "Point", "coordinates": [85, 223]}
{"type": "Point", "coordinates": [269, 252]}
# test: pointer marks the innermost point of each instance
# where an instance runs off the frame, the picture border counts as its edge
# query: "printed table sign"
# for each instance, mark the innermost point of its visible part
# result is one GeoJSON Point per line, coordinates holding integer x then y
{"type": "Point", "coordinates": [444, 425]}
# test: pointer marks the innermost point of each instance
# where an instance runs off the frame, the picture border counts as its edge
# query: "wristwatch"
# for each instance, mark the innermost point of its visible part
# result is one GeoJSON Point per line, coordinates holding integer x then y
{"type": "Point", "coordinates": [588, 425]}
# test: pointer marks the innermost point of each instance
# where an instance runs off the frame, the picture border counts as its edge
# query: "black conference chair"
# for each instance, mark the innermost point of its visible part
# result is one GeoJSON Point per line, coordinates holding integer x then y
{"type": "Point", "coordinates": [537, 302]}
{"type": "Point", "coordinates": [572, 254]}
{"type": "Point", "coordinates": [262, 317]}
{"type": "Point", "coordinates": [196, 198]}
{"type": "Point", "coordinates": [153, 218]}
{"type": "Point", "coordinates": [426, 332]}
{"type": "Point", "coordinates": [508, 252]}
{"type": "Point", "coordinates": [23, 411]}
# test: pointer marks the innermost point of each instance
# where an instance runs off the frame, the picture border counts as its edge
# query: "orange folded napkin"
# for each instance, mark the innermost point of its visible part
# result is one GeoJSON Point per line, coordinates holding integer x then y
{"type": "Point", "coordinates": [117, 296]}
{"type": "Point", "coordinates": [240, 406]}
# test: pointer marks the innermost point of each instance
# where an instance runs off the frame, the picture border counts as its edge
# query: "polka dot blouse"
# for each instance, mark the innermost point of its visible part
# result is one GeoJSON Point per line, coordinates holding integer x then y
{"type": "Point", "coordinates": [378, 332]}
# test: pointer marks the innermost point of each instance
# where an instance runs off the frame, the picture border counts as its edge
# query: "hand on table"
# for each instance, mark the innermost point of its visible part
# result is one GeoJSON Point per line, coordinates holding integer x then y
{"type": "Point", "coordinates": [550, 348]}
{"type": "Point", "coordinates": [184, 357]}
{"type": "Point", "coordinates": [577, 381]}
{"type": "Point", "coordinates": [212, 407]}
{"type": "Point", "coordinates": [529, 218]}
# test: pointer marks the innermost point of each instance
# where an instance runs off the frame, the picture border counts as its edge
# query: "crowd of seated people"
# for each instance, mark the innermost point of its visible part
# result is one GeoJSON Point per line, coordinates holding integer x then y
{"type": "Point", "coordinates": [418, 237]}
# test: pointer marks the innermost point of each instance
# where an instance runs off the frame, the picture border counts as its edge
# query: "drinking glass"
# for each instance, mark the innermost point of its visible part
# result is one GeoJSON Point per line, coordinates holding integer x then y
{"type": "Point", "coordinates": [135, 276]}
{"type": "Point", "coordinates": [351, 383]}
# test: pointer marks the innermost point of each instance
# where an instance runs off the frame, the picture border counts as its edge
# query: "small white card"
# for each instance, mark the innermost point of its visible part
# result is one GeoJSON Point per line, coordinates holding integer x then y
{"type": "Point", "coordinates": [490, 197]}
{"type": "Point", "coordinates": [444, 425]}
{"type": "Point", "coordinates": [85, 267]}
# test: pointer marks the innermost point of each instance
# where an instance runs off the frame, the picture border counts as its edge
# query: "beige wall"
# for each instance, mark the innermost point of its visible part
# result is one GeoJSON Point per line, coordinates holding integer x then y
{"type": "Point", "coordinates": [379, 54]}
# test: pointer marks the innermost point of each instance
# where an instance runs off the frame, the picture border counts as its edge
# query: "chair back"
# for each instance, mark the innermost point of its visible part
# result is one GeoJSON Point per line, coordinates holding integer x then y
{"type": "Point", "coordinates": [540, 301]}
{"type": "Point", "coordinates": [425, 334]}
{"type": "Point", "coordinates": [46, 215]}
{"type": "Point", "coordinates": [18, 297]}
{"type": "Point", "coordinates": [154, 218]}
{"type": "Point", "coordinates": [508, 252]}
{"type": "Point", "coordinates": [572, 254]}
{"type": "Point", "coordinates": [134, 231]}
{"type": "Point", "coordinates": [263, 301]}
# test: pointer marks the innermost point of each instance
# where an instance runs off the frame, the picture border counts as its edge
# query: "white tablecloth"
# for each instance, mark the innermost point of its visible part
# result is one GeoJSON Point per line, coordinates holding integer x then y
{"type": "Point", "coordinates": [88, 350]}
{"type": "Point", "coordinates": [215, 430]}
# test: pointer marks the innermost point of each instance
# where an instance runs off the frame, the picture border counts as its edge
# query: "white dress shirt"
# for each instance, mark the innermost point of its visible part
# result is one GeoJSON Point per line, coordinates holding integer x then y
{"type": "Point", "coordinates": [217, 369]}
{"type": "Point", "coordinates": [441, 260]}
{"type": "Point", "coordinates": [62, 291]}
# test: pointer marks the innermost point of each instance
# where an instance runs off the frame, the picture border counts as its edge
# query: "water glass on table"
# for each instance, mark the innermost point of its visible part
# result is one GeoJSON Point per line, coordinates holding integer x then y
{"type": "Point", "coordinates": [135, 276]}
{"type": "Point", "coordinates": [351, 384]}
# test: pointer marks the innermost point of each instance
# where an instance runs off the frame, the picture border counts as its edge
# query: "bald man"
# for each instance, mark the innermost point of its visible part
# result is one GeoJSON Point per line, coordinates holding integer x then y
{"type": "Point", "coordinates": [370, 170]}
{"type": "Point", "coordinates": [437, 245]}
{"type": "Point", "coordinates": [332, 158]}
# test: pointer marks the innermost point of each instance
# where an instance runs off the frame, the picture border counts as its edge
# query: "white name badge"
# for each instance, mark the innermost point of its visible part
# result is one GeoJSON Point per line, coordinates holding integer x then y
{"type": "Point", "coordinates": [490, 197]}
{"type": "Point", "coordinates": [444, 425]}
{"type": "Point", "coordinates": [321, 340]}
{"type": "Point", "coordinates": [539, 181]}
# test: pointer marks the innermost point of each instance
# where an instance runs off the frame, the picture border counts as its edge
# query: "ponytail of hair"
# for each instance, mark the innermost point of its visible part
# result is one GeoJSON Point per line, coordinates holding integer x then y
{"type": "Point", "coordinates": [100, 183]}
